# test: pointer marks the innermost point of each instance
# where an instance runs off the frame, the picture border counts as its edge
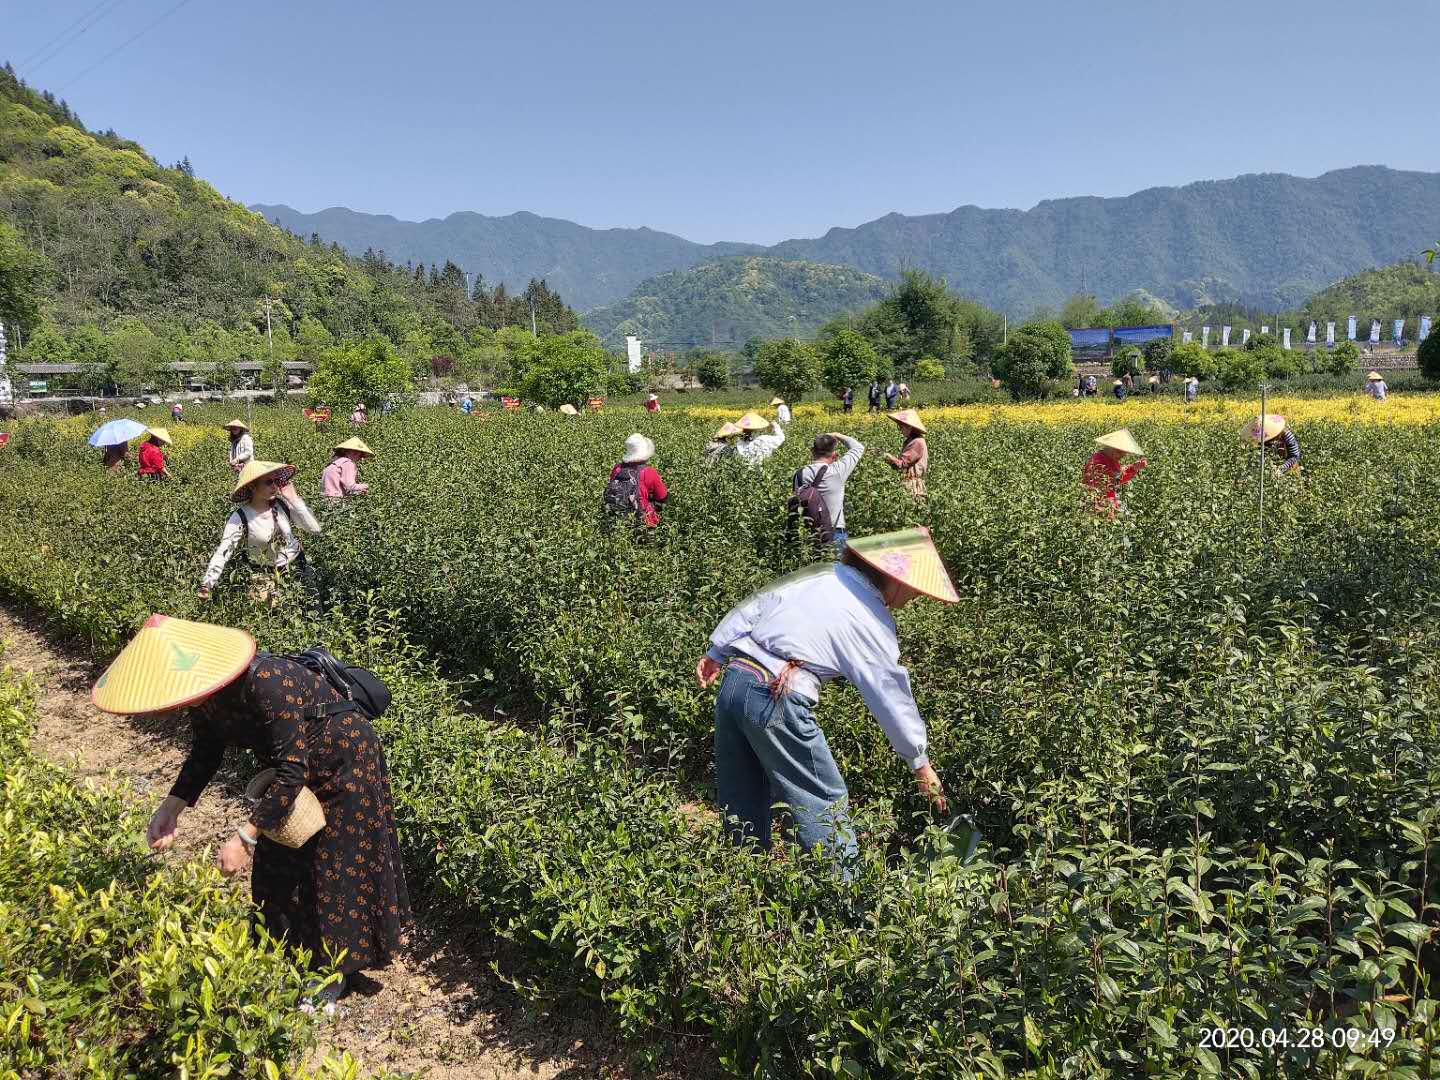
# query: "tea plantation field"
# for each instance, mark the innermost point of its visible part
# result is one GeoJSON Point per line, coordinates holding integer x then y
{"type": "Point", "coordinates": [1203, 756]}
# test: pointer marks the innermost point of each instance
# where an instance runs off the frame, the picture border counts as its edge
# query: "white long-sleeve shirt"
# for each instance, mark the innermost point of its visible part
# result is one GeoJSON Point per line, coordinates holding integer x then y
{"type": "Point", "coordinates": [269, 536]}
{"type": "Point", "coordinates": [831, 618]}
{"type": "Point", "coordinates": [782, 413]}
{"type": "Point", "coordinates": [241, 451]}
{"type": "Point", "coordinates": [754, 451]}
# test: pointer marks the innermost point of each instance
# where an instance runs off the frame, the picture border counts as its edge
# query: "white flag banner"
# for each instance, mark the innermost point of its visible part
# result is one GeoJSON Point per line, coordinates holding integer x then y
{"type": "Point", "coordinates": [632, 353]}
{"type": "Point", "coordinates": [1424, 332]}
{"type": "Point", "coordinates": [7, 393]}
{"type": "Point", "coordinates": [1374, 331]}
{"type": "Point", "coordinates": [1329, 333]}
{"type": "Point", "coordinates": [1287, 338]}
{"type": "Point", "coordinates": [1204, 337]}
{"type": "Point", "coordinates": [1224, 337]}
{"type": "Point", "coordinates": [1264, 329]}
{"type": "Point", "coordinates": [1350, 328]}
{"type": "Point", "coordinates": [1245, 336]}
{"type": "Point", "coordinates": [1310, 334]}
{"type": "Point", "coordinates": [1187, 338]}
{"type": "Point", "coordinates": [1399, 331]}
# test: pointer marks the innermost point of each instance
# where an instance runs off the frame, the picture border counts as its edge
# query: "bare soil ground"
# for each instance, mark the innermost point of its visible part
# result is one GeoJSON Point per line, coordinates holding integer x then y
{"type": "Point", "coordinates": [441, 1011]}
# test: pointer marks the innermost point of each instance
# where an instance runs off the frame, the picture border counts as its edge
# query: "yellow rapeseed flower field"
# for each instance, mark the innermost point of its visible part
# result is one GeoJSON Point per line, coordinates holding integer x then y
{"type": "Point", "coordinates": [1403, 409]}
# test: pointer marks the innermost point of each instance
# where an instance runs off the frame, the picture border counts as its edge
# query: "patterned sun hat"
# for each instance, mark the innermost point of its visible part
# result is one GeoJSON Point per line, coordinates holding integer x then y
{"type": "Point", "coordinates": [909, 556]}
{"type": "Point", "coordinates": [258, 470]}
{"type": "Point", "coordinates": [753, 421]}
{"type": "Point", "coordinates": [171, 663]}
{"type": "Point", "coordinates": [1121, 440]}
{"type": "Point", "coordinates": [1274, 425]}
{"type": "Point", "coordinates": [910, 418]}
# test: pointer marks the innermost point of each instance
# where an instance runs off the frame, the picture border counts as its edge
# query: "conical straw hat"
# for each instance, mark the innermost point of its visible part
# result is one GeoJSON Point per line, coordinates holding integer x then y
{"type": "Point", "coordinates": [910, 418]}
{"type": "Point", "coordinates": [1118, 382]}
{"type": "Point", "coordinates": [753, 421]}
{"type": "Point", "coordinates": [1121, 440]}
{"type": "Point", "coordinates": [777, 401]}
{"type": "Point", "coordinates": [255, 470]}
{"type": "Point", "coordinates": [171, 663]}
{"type": "Point", "coordinates": [569, 410]}
{"type": "Point", "coordinates": [908, 556]}
{"type": "Point", "coordinates": [162, 434]}
{"type": "Point", "coordinates": [357, 445]}
{"type": "Point", "coordinates": [727, 431]}
{"type": "Point", "coordinates": [1274, 425]}
{"type": "Point", "coordinates": [1372, 375]}
{"type": "Point", "coordinates": [237, 424]}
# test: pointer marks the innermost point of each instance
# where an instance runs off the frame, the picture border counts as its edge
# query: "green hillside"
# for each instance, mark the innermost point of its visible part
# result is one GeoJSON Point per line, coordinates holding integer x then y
{"type": "Point", "coordinates": [728, 301]}
{"type": "Point", "coordinates": [1403, 291]}
{"type": "Point", "coordinates": [102, 248]}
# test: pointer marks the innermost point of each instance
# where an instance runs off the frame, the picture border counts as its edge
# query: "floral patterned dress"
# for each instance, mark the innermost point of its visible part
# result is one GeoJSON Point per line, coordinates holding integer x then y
{"type": "Point", "coordinates": [344, 890]}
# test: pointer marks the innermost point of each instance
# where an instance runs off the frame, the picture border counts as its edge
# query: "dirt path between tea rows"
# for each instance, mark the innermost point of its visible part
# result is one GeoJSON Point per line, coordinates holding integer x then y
{"type": "Point", "coordinates": [440, 1011]}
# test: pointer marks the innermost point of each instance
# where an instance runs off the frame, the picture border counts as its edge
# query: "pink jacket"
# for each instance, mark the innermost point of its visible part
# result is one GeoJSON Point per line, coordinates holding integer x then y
{"type": "Point", "coordinates": [338, 479]}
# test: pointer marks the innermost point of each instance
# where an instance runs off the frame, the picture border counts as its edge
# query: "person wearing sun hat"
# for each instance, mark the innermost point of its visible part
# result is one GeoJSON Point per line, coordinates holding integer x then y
{"type": "Point", "coordinates": [569, 410]}
{"type": "Point", "coordinates": [1276, 439]}
{"type": "Point", "coordinates": [268, 510]}
{"type": "Point", "coordinates": [720, 444]}
{"type": "Point", "coordinates": [772, 652]}
{"type": "Point", "coordinates": [340, 478]}
{"type": "Point", "coordinates": [1106, 470]}
{"type": "Point", "coordinates": [913, 461]}
{"type": "Point", "coordinates": [327, 869]}
{"type": "Point", "coordinates": [152, 458]}
{"type": "Point", "coordinates": [358, 416]}
{"type": "Point", "coordinates": [1375, 385]}
{"type": "Point", "coordinates": [242, 447]}
{"type": "Point", "coordinates": [652, 403]}
{"type": "Point", "coordinates": [782, 411]}
{"type": "Point", "coordinates": [635, 487]}
{"type": "Point", "coordinates": [753, 447]}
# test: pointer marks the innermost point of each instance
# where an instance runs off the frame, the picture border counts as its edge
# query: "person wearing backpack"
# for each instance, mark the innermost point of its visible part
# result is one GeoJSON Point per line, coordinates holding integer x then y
{"type": "Point", "coordinates": [818, 489]}
{"type": "Point", "coordinates": [264, 521]}
{"type": "Point", "coordinates": [327, 870]}
{"type": "Point", "coordinates": [635, 487]}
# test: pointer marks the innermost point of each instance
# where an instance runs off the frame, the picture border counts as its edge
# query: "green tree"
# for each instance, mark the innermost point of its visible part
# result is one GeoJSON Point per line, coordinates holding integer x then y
{"type": "Point", "coordinates": [1189, 358]}
{"type": "Point", "coordinates": [1157, 353]}
{"type": "Point", "coordinates": [365, 371]}
{"type": "Point", "coordinates": [713, 370]}
{"type": "Point", "coordinates": [1240, 369]}
{"type": "Point", "coordinates": [928, 369]}
{"type": "Point", "coordinates": [1080, 313]}
{"type": "Point", "coordinates": [1428, 355]}
{"type": "Point", "coordinates": [91, 350]}
{"type": "Point", "coordinates": [564, 367]}
{"type": "Point", "coordinates": [45, 345]}
{"type": "Point", "coordinates": [789, 367]}
{"type": "Point", "coordinates": [24, 275]}
{"type": "Point", "coordinates": [847, 359]}
{"type": "Point", "coordinates": [1342, 358]}
{"type": "Point", "coordinates": [138, 355]}
{"type": "Point", "coordinates": [1035, 356]}
{"type": "Point", "coordinates": [1128, 359]}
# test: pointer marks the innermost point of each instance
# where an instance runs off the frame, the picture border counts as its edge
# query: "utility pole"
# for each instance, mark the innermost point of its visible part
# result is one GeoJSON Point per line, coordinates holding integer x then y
{"type": "Point", "coordinates": [533, 332]}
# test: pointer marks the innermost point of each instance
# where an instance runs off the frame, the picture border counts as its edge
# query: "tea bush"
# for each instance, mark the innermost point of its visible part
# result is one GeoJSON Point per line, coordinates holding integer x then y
{"type": "Point", "coordinates": [1202, 756]}
{"type": "Point", "coordinates": [114, 965]}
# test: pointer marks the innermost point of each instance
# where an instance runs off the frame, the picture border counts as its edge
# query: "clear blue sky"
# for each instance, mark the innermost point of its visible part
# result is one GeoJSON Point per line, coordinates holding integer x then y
{"type": "Point", "coordinates": [740, 121]}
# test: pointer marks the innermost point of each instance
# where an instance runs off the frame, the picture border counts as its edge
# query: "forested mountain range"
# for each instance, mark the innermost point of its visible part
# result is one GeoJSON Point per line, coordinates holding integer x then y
{"type": "Point", "coordinates": [1265, 240]}
{"type": "Point", "coordinates": [726, 302]}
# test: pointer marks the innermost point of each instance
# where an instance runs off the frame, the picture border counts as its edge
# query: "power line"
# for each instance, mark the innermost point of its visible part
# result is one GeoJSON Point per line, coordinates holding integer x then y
{"type": "Point", "coordinates": [126, 43]}
{"type": "Point", "coordinates": [59, 43]}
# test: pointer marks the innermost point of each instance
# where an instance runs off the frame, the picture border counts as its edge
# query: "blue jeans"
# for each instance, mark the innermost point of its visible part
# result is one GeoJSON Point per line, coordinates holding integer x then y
{"type": "Point", "coordinates": [839, 538]}
{"type": "Point", "coordinates": [769, 750]}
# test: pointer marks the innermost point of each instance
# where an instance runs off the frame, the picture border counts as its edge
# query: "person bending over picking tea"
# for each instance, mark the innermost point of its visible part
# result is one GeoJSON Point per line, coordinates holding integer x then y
{"type": "Point", "coordinates": [341, 478]}
{"type": "Point", "coordinates": [328, 875]}
{"type": "Point", "coordinates": [1276, 441]}
{"type": "Point", "coordinates": [1106, 472]}
{"type": "Point", "coordinates": [771, 654]}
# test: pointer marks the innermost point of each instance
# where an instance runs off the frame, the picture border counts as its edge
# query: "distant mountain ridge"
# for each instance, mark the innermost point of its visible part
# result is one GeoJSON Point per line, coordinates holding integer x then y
{"type": "Point", "coordinates": [1266, 240]}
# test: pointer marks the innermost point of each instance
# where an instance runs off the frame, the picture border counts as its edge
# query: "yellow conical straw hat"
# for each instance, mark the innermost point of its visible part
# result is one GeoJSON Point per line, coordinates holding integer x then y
{"type": "Point", "coordinates": [1274, 425]}
{"type": "Point", "coordinates": [237, 424]}
{"type": "Point", "coordinates": [569, 410]}
{"type": "Point", "coordinates": [777, 401]}
{"type": "Point", "coordinates": [171, 663]}
{"type": "Point", "coordinates": [1121, 440]}
{"type": "Point", "coordinates": [908, 556]}
{"type": "Point", "coordinates": [162, 434]}
{"type": "Point", "coordinates": [910, 418]}
{"type": "Point", "coordinates": [1372, 375]}
{"type": "Point", "coordinates": [727, 431]}
{"type": "Point", "coordinates": [753, 421]}
{"type": "Point", "coordinates": [358, 445]}
{"type": "Point", "coordinates": [255, 470]}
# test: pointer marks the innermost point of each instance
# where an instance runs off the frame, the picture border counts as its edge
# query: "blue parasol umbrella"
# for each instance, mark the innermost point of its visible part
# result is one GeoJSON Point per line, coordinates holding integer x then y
{"type": "Point", "coordinates": [116, 432]}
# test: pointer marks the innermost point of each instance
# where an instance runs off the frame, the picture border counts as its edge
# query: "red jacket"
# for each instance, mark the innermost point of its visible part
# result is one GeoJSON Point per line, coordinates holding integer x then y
{"type": "Point", "coordinates": [651, 491]}
{"type": "Point", "coordinates": [151, 459]}
{"type": "Point", "coordinates": [1104, 476]}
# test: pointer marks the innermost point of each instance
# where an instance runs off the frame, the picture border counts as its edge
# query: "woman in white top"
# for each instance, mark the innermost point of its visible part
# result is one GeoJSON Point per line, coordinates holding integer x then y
{"type": "Point", "coordinates": [242, 447]}
{"type": "Point", "coordinates": [268, 512]}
